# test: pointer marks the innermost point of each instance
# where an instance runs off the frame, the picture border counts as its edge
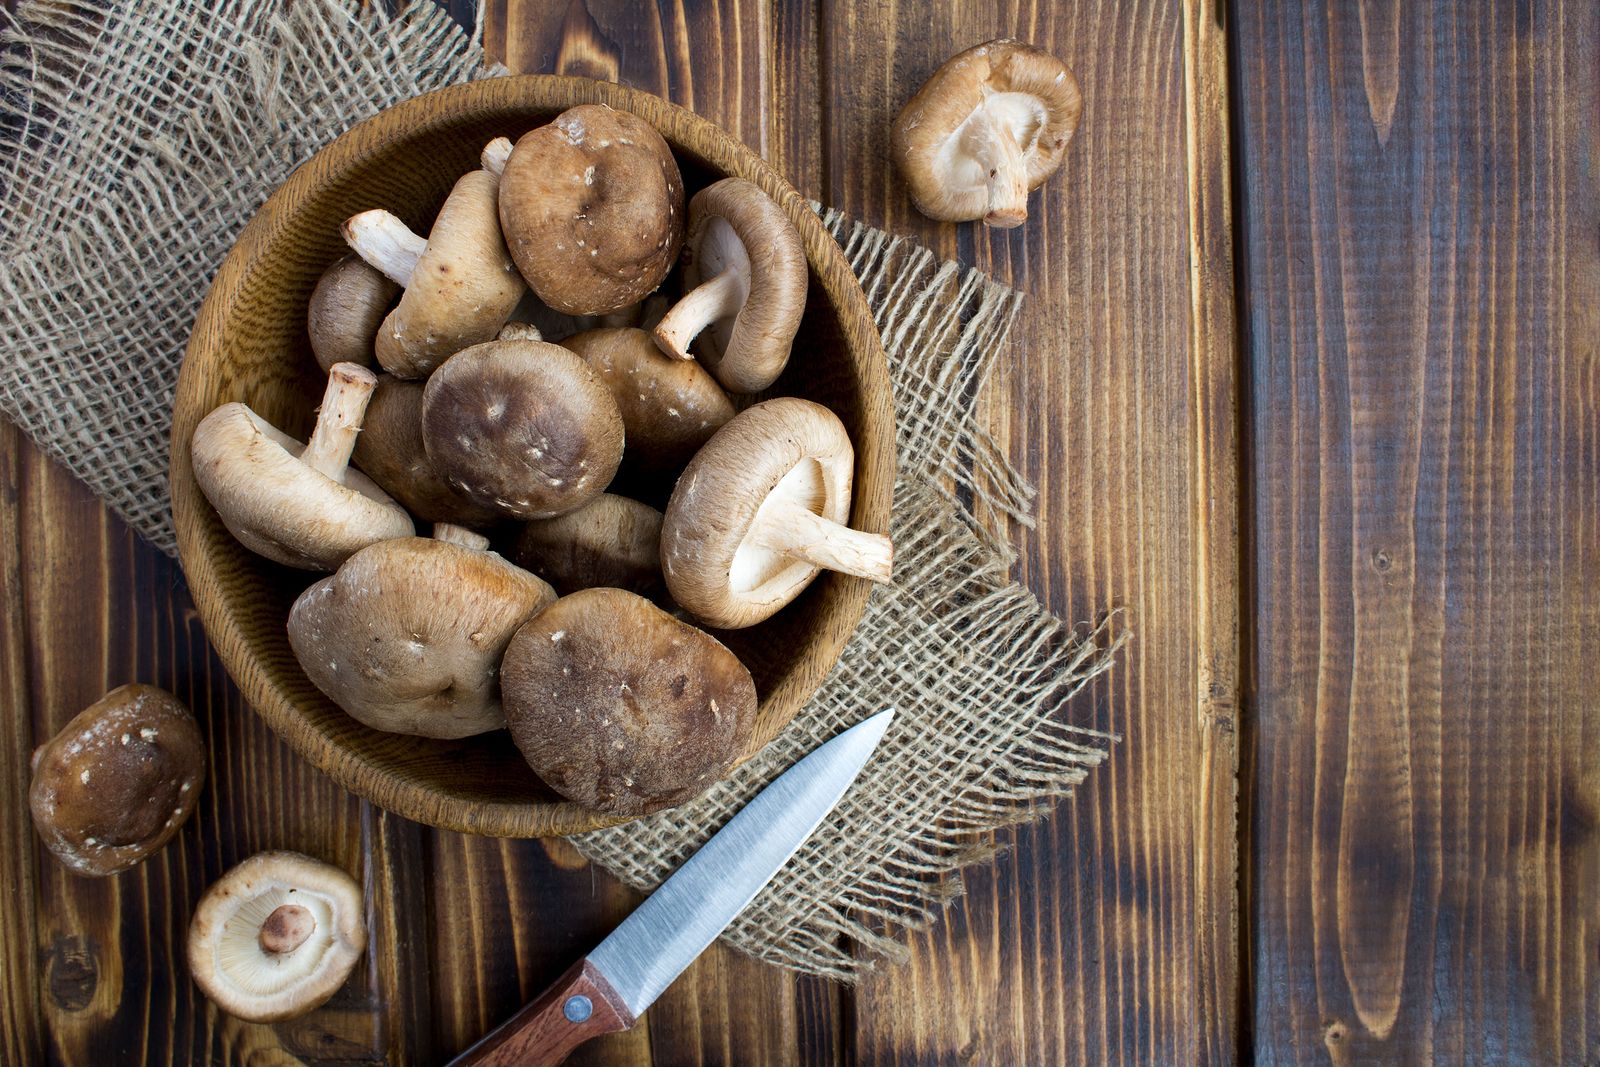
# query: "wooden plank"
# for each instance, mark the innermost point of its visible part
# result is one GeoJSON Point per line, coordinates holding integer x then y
{"type": "Point", "coordinates": [1105, 935]}
{"type": "Point", "coordinates": [527, 908]}
{"type": "Point", "coordinates": [1423, 282]}
{"type": "Point", "coordinates": [21, 1030]}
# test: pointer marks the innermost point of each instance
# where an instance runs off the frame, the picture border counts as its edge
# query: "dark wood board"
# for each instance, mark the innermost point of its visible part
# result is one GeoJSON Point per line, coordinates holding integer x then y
{"type": "Point", "coordinates": [1419, 601]}
{"type": "Point", "coordinates": [1422, 278]}
{"type": "Point", "coordinates": [1102, 909]}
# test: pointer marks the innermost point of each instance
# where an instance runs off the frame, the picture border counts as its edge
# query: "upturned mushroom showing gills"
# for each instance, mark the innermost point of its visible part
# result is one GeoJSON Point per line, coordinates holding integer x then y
{"type": "Point", "coordinates": [348, 305]}
{"type": "Point", "coordinates": [276, 936]}
{"type": "Point", "coordinates": [760, 511]}
{"type": "Point", "coordinates": [745, 284]}
{"type": "Point", "coordinates": [118, 780]}
{"type": "Point", "coordinates": [622, 708]}
{"type": "Point", "coordinates": [300, 505]}
{"type": "Point", "coordinates": [391, 453]}
{"type": "Point", "coordinates": [460, 284]}
{"type": "Point", "coordinates": [669, 407]}
{"type": "Point", "coordinates": [592, 209]}
{"type": "Point", "coordinates": [407, 636]}
{"type": "Point", "coordinates": [610, 541]}
{"type": "Point", "coordinates": [989, 127]}
{"type": "Point", "coordinates": [522, 426]}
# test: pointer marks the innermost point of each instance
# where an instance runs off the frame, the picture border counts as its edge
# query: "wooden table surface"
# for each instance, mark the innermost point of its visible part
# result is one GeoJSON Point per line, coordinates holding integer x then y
{"type": "Point", "coordinates": [1308, 381]}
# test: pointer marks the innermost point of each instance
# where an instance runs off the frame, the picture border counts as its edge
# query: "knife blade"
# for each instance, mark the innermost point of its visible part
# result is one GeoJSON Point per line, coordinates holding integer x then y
{"type": "Point", "coordinates": [610, 988]}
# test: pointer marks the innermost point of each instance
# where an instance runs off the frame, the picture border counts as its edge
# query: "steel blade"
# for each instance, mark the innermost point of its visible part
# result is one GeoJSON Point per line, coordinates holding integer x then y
{"type": "Point", "coordinates": [654, 944]}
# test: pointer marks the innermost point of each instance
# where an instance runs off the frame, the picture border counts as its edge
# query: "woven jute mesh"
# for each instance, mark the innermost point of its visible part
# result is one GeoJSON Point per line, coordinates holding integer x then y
{"type": "Point", "coordinates": [137, 138]}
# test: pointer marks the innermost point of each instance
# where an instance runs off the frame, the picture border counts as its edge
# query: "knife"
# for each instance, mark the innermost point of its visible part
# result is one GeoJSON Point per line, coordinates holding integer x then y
{"type": "Point", "coordinates": [610, 988]}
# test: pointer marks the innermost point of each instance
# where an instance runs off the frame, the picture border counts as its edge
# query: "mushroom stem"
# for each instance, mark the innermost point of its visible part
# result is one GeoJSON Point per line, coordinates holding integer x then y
{"type": "Point", "coordinates": [495, 154]}
{"type": "Point", "coordinates": [990, 143]}
{"type": "Point", "coordinates": [286, 929]}
{"type": "Point", "coordinates": [460, 535]}
{"type": "Point", "coordinates": [788, 527]}
{"type": "Point", "coordinates": [344, 405]}
{"type": "Point", "coordinates": [520, 331]}
{"type": "Point", "coordinates": [386, 243]}
{"type": "Point", "coordinates": [716, 298]}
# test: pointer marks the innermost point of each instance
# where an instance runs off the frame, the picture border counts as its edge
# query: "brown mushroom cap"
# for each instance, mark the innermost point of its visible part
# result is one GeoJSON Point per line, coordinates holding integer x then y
{"type": "Point", "coordinates": [301, 505]}
{"type": "Point", "coordinates": [391, 452]}
{"type": "Point", "coordinates": [348, 305]}
{"type": "Point", "coordinates": [610, 541]}
{"type": "Point", "coordinates": [592, 209]}
{"type": "Point", "coordinates": [118, 780]}
{"type": "Point", "coordinates": [745, 286]}
{"type": "Point", "coordinates": [276, 936]}
{"type": "Point", "coordinates": [407, 636]}
{"type": "Point", "coordinates": [670, 407]}
{"type": "Point", "coordinates": [462, 287]}
{"type": "Point", "coordinates": [620, 707]}
{"type": "Point", "coordinates": [523, 426]}
{"type": "Point", "coordinates": [760, 510]}
{"type": "Point", "coordinates": [987, 128]}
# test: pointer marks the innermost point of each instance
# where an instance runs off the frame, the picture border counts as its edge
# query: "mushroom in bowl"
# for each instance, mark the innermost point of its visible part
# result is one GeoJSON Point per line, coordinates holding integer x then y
{"type": "Point", "coordinates": [300, 505]}
{"type": "Point", "coordinates": [761, 511]}
{"type": "Point", "coordinates": [407, 635]}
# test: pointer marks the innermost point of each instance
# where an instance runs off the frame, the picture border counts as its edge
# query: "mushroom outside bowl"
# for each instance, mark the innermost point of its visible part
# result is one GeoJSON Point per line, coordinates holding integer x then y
{"type": "Point", "coordinates": [250, 344]}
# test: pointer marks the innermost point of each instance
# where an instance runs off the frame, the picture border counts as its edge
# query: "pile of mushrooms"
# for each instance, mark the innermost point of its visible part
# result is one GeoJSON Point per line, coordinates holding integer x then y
{"type": "Point", "coordinates": [551, 387]}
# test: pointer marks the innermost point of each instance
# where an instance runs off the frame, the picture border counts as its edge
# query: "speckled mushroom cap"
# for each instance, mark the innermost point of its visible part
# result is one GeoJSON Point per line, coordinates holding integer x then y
{"type": "Point", "coordinates": [391, 453]}
{"type": "Point", "coordinates": [592, 209]}
{"type": "Point", "coordinates": [760, 510]}
{"type": "Point", "coordinates": [670, 407]}
{"type": "Point", "coordinates": [301, 505]}
{"type": "Point", "coordinates": [610, 541]}
{"type": "Point", "coordinates": [407, 635]}
{"type": "Point", "coordinates": [276, 936]}
{"type": "Point", "coordinates": [622, 708]}
{"type": "Point", "coordinates": [462, 287]}
{"type": "Point", "coordinates": [348, 305]}
{"type": "Point", "coordinates": [745, 286]}
{"type": "Point", "coordinates": [118, 780]}
{"type": "Point", "coordinates": [522, 426]}
{"type": "Point", "coordinates": [987, 128]}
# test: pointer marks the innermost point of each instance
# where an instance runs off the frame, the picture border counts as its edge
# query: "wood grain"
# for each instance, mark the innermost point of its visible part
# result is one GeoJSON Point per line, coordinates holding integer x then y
{"type": "Point", "coordinates": [1105, 935]}
{"type": "Point", "coordinates": [1421, 286]}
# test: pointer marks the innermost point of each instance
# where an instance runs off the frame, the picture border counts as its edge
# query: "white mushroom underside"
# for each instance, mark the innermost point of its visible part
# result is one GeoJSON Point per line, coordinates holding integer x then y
{"type": "Point", "coordinates": [1021, 115]}
{"type": "Point", "coordinates": [242, 964]}
{"type": "Point", "coordinates": [755, 565]}
{"type": "Point", "coordinates": [720, 250]}
{"type": "Point", "coordinates": [353, 479]}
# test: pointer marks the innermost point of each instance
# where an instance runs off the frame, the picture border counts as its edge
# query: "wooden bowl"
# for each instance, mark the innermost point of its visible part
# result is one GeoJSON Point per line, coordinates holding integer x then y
{"type": "Point", "coordinates": [249, 344]}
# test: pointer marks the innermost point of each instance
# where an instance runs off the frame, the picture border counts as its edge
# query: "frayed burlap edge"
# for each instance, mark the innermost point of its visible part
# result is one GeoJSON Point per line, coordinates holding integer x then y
{"type": "Point", "coordinates": [137, 138]}
{"type": "Point", "coordinates": [976, 669]}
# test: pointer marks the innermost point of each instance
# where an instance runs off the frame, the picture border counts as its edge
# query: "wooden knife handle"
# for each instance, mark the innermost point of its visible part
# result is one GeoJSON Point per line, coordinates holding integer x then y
{"type": "Point", "coordinates": [580, 1005]}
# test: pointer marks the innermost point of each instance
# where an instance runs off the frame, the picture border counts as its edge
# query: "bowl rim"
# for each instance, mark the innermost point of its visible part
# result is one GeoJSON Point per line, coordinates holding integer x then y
{"type": "Point", "coordinates": [875, 454]}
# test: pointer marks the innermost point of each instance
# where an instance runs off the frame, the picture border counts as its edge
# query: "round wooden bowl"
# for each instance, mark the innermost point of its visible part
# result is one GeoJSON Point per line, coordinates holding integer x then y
{"type": "Point", "coordinates": [249, 344]}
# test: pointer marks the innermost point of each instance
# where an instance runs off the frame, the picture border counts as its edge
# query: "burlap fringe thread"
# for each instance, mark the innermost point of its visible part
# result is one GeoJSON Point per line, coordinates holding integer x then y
{"type": "Point", "coordinates": [140, 138]}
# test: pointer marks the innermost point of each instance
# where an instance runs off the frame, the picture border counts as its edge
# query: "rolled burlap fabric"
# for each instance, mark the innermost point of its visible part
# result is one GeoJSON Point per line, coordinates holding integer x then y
{"type": "Point", "coordinates": [137, 138]}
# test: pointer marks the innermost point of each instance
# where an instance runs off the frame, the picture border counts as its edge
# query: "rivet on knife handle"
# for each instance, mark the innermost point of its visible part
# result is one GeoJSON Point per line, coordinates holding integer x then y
{"type": "Point", "coordinates": [579, 1006]}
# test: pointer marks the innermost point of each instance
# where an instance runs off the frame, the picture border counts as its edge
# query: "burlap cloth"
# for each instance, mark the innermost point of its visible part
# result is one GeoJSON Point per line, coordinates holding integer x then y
{"type": "Point", "coordinates": [135, 141]}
